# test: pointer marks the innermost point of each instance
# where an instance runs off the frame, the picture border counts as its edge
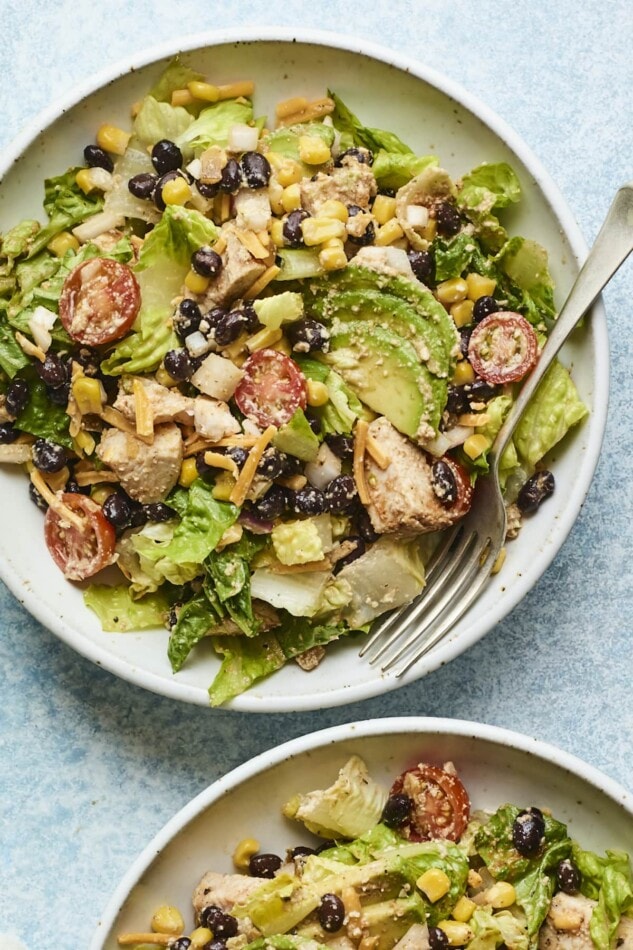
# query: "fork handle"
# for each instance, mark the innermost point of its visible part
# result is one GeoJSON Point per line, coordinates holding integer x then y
{"type": "Point", "coordinates": [612, 246]}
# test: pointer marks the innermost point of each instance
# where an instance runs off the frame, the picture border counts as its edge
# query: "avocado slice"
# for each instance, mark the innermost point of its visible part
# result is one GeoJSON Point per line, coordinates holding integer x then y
{"type": "Point", "coordinates": [385, 373]}
{"type": "Point", "coordinates": [392, 313]}
{"type": "Point", "coordinates": [297, 438]}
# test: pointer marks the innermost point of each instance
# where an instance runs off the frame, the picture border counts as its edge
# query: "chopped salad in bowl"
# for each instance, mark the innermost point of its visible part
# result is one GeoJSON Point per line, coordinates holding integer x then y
{"type": "Point", "coordinates": [257, 362]}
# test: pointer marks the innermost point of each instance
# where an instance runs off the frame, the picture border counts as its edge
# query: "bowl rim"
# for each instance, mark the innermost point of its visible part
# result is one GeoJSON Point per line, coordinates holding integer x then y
{"type": "Point", "coordinates": [594, 426]}
{"type": "Point", "coordinates": [333, 735]}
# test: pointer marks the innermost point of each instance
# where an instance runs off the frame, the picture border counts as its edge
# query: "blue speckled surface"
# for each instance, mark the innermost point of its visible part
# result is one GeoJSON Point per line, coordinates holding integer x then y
{"type": "Point", "coordinates": [91, 767]}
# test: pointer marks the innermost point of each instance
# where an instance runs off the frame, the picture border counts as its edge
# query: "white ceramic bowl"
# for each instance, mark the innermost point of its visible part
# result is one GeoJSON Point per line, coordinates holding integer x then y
{"type": "Point", "coordinates": [432, 114]}
{"type": "Point", "coordinates": [496, 766]}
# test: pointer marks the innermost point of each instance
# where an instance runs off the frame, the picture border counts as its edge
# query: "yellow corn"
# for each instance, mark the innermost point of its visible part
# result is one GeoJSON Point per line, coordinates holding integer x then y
{"type": "Point", "coordinates": [384, 208]}
{"type": "Point", "coordinates": [333, 209]}
{"type": "Point", "coordinates": [196, 283]}
{"type": "Point", "coordinates": [459, 934]}
{"type": "Point", "coordinates": [233, 350]}
{"type": "Point", "coordinates": [204, 91]}
{"type": "Point", "coordinates": [451, 291]}
{"type": "Point", "coordinates": [277, 233]}
{"type": "Point", "coordinates": [318, 393]}
{"type": "Point", "coordinates": [319, 230]}
{"type": "Point", "coordinates": [291, 198]}
{"type": "Point", "coordinates": [99, 493]}
{"type": "Point", "coordinates": [267, 277]}
{"type": "Point", "coordinates": [476, 445]}
{"type": "Point", "coordinates": [275, 194]}
{"type": "Point", "coordinates": [499, 561]}
{"type": "Point", "coordinates": [462, 312]}
{"type": "Point", "coordinates": [85, 443]}
{"type": "Point", "coordinates": [176, 192]}
{"type": "Point", "coordinates": [181, 97]}
{"type": "Point", "coordinates": [282, 346]}
{"type": "Point", "coordinates": [188, 473]}
{"type": "Point", "coordinates": [88, 395]}
{"type": "Point", "coordinates": [388, 233]}
{"type": "Point", "coordinates": [84, 180]}
{"type": "Point", "coordinates": [62, 242]}
{"type": "Point", "coordinates": [168, 920]}
{"type": "Point", "coordinates": [333, 256]}
{"type": "Point", "coordinates": [435, 883]}
{"type": "Point", "coordinates": [501, 895]}
{"type": "Point", "coordinates": [464, 909]}
{"type": "Point", "coordinates": [263, 339]}
{"type": "Point", "coordinates": [464, 374]}
{"type": "Point", "coordinates": [224, 485]}
{"type": "Point", "coordinates": [243, 853]}
{"type": "Point", "coordinates": [112, 139]}
{"type": "Point", "coordinates": [233, 90]}
{"type": "Point", "coordinates": [430, 230]}
{"type": "Point", "coordinates": [288, 171]}
{"type": "Point", "coordinates": [200, 937]}
{"type": "Point", "coordinates": [163, 377]}
{"type": "Point", "coordinates": [313, 150]}
{"type": "Point", "coordinates": [479, 286]}
{"type": "Point", "coordinates": [290, 106]}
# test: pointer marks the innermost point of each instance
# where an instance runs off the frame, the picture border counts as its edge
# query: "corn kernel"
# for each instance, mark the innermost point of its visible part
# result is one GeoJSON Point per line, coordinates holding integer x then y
{"type": "Point", "coordinates": [476, 445]}
{"type": "Point", "coordinates": [313, 150]}
{"type": "Point", "coordinates": [176, 192]}
{"type": "Point", "coordinates": [204, 91]}
{"type": "Point", "coordinates": [275, 194]}
{"type": "Point", "coordinates": [501, 895]}
{"type": "Point", "coordinates": [333, 209]}
{"type": "Point", "coordinates": [85, 443]}
{"type": "Point", "coordinates": [319, 230]}
{"type": "Point", "coordinates": [88, 395]}
{"type": "Point", "coordinates": [282, 346]}
{"type": "Point", "coordinates": [112, 139]}
{"type": "Point", "coordinates": [388, 233]}
{"type": "Point", "coordinates": [224, 485]}
{"type": "Point", "coordinates": [499, 561]}
{"type": "Point", "coordinates": [99, 493]}
{"type": "Point", "coordinates": [181, 97]}
{"type": "Point", "coordinates": [384, 208]}
{"type": "Point", "coordinates": [62, 242]}
{"type": "Point", "coordinates": [479, 286]}
{"type": "Point", "coordinates": [451, 291]}
{"type": "Point", "coordinates": [243, 853]}
{"type": "Point", "coordinates": [168, 920]}
{"type": "Point", "coordinates": [435, 883]}
{"type": "Point", "coordinates": [199, 937]}
{"type": "Point", "coordinates": [289, 172]}
{"type": "Point", "coordinates": [188, 473]}
{"type": "Point", "coordinates": [464, 909]}
{"type": "Point", "coordinates": [458, 933]}
{"type": "Point", "coordinates": [333, 257]}
{"type": "Point", "coordinates": [263, 338]}
{"type": "Point", "coordinates": [84, 180]}
{"type": "Point", "coordinates": [196, 283]}
{"type": "Point", "coordinates": [318, 393]}
{"type": "Point", "coordinates": [164, 378]}
{"type": "Point", "coordinates": [291, 198]}
{"type": "Point", "coordinates": [464, 374]}
{"type": "Point", "coordinates": [430, 230]}
{"type": "Point", "coordinates": [462, 312]}
{"type": "Point", "coordinates": [277, 233]}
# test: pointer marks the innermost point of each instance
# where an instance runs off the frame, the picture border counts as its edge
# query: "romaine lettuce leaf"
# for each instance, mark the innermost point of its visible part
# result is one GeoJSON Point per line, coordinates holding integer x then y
{"type": "Point", "coordinates": [214, 123]}
{"type": "Point", "coordinates": [285, 942]}
{"type": "Point", "coordinates": [554, 408]}
{"type": "Point", "coordinates": [497, 929]}
{"type": "Point", "coordinates": [244, 661]}
{"type": "Point", "coordinates": [195, 619]}
{"type": "Point", "coordinates": [488, 188]}
{"type": "Point", "coordinates": [353, 132]}
{"type": "Point", "coordinates": [66, 206]}
{"type": "Point", "coordinates": [203, 523]}
{"type": "Point", "coordinates": [159, 120]}
{"type": "Point", "coordinates": [525, 263]}
{"type": "Point", "coordinates": [609, 881]}
{"type": "Point", "coordinates": [285, 140]}
{"type": "Point", "coordinates": [229, 572]}
{"type": "Point", "coordinates": [395, 169]}
{"type": "Point", "coordinates": [175, 76]}
{"type": "Point", "coordinates": [40, 416]}
{"type": "Point", "coordinates": [118, 612]}
{"type": "Point", "coordinates": [17, 241]}
{"type": "Point", "coordinates": [12, 357]}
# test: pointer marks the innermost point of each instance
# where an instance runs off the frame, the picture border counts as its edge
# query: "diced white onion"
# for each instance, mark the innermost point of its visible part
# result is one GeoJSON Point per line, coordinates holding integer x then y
{"type": "Point", "coordinates": [242, 138]}
{"type": "Point", "coordinates": [325, 467]}
{"type": "Point", "coordinates": [194, 168]}
{"type": "Point", "coordinates": [100, 179]}
{"type": "Point", "coordinates": [444, 441]}
{"type": "Point", "coordinates": [40, 324]}
{"type": "Point", "coordinates": [98, 224]}
{"type": "Point", "coordinates": [417, 216]}
{"type": "Point", "coordinates": [197, 344]}
{"type": "Point", "coordinates": [385, 260]}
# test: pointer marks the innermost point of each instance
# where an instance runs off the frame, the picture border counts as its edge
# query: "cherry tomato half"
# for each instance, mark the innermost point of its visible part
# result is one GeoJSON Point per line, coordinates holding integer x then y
{"type": "Point", "coordinates": [99, 301]}
{"type": "Point", "coordinates": [503, 348]}
{"type": "Point", "coordinates": [79, 552]}
{"type": "Point", "coordinates": [464, 488]}
{"type": "Point", "coordinates": [272, 389]}
{"type": "Point", "coordinates": [441, 806]}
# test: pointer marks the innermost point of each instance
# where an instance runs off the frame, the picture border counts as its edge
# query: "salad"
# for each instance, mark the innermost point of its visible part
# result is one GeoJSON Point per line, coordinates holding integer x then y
{"type": "Point", "coordinates": [258, 363]}
{"type": "Point", "coordinates": [410, 867]}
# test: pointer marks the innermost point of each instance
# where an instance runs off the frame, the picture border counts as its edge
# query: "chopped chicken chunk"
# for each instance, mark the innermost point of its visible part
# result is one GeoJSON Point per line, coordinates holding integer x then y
{"type": "Point", "coordinates": [352, 184]}
{"type": "Point", "coordinates": [239, 271]}
{"type": "Point", "coordinates": [167, 405]}
{"type": "Point", "coordinates": [213, 419]}
{"type": "Point", "coordinates": [146, 472]}
{"type": "Point", "coordinates": [225, 891]}
{"type": "Point", "coordinates": [566, 926]}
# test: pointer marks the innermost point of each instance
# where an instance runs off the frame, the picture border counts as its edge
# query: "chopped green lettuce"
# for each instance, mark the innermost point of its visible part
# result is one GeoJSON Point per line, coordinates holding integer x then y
{"type": "Point", "coordinates": [394, 169]}
{"type": "Point", "coordinates": [203, 523]}
{"type": "Point", "coordinates": [40, 417]}
{"type": "Point", "coordinates": [343, 407]}
{"type": "Point", "coordinates": [214, 123]}
{"type": "Point", "coordinates": [175, 76]}
{"type": "Point", "coordinates": [195, 619]}
{"type": "Point", "coordinates": [66, 206]}
{"type": "Point", "coordinates": [118, 612]}
{"type": "Point", "coordinates": [299, 594]}
{"type": "Point", "coordinates": [493, 930]}
{"type": "Point", "coordinates": [298, 263]}
{"type": "Point", "coordinates": [285, 140]}
{"type": "Point", "coordinates": [230, 575]}
{"type": "Point", "coordinates": [17, 241]}
{"type": "Point", "coordinates": [609, 881]}
{"type": "Point", "coordinates": [525, 263]}
{"type": "Point", "coordinates": [488, 188]}
{"type": "Point", "coordinates": [159, 120]}
{"type": "Point", "coordinates": [553, 410]}
{"type": "Point", "coordinates": [12, 357]}
{"type": "Point", "coordinates": [143, 560]}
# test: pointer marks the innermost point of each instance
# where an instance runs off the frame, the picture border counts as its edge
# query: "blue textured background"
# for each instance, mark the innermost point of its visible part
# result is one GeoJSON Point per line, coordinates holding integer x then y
{"type": "Point", "coordinates": [91, 767]}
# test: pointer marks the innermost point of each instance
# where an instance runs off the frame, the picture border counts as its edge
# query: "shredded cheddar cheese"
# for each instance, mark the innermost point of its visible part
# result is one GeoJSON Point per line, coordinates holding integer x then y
{"type": "Point", "coordinates": [160, 940]}
{"type": "Point", "coordinates": [143, 412]}
{"type": "Point", "coordinates": [377, 453]}
{"type": "Point", "coordinates": [29, 348]}
{"type": "Point", "coordinates": [243, 483]}
{"type": "Point", "coordinates": [255, 289]}
{"type": "Point", "coordinates": [93, 477]}
{"type": "Point", "coordinates": [115, 418]}
{"type": "Point", "coordinates": [251, 242]}
{"type": "Point", "coordinates": [216, 460]}
{"type": "Point", "coordinates": [54, 502]}
{"type": "Point", "coordinates": [360, 446]}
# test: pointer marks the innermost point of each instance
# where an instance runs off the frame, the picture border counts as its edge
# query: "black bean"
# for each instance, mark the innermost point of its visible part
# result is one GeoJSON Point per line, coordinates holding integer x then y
{"type": "Point", "coordinates": [272, 505]}
{"type": "Point", "coordinates": [325, 846]}
{"type": "Point", "coordinates": [422, 265]}
{"type": "Point", "coordinates": [568, 877]}
{"type": "Point", "coordinates": [251, 319]}
{"type": "Point", "coordinates": [75, 489]}
{"type": "Point", "coordinates": [537, 488]}
{"type": "Point", "coordinates": [358, 551]}
{"type": "Point", "coordinates": [178, 364]}
{"type": "Point", "coordinates": [363, 525]}
{"type": "Point", "coordinates": [143, 186]}
{"type": "Point", "coordinates": [229, 327]}
{"type": "Point", "coordinates": [479, 391]}
{"type": "Point", "coordinates": [138, 517]}
{"type": "Point", "coordinates": [187, 318]}
{"type": "Point", "coordinates": [362, 155]}
{"type": "Point", "coordinates": [36, 498]}
{"type": "Point", "coordinates": [96, 157]}
{"type": "Point", "coordinates": [160, 184]}
{"type": "Point", "coordinates": [88, 360]}
{"type": "Point", "coordinates": [206, 262]}
{"type": "Point", "coordinates": [308, 335]}
{"type": "Point", "coordinates": [231, 179]}
{"type": "Point", "coordinates": [211, 319]}
{"type": "Point", "coordinates": [369, 234]}
{"type": "Point", "coordinates": [158, 511]}
{"type": "Point", "coordinates": [215, 945]}
{"type": "Point", "coordinates": [301, 850]}
{"type": "Point", "coordinates": [118, 510]}
{"type": "Point", "coordinates": [208, 190]}
{"type": "Point", "coordinates": [17, 396]}
{"type": "Point", "coordinates": [271, 464]}
{"type": "Point", "coordinates": [255, 169]}
{"type": "Point", "coordinates": [331, 913]}
{"type": "Point", "coordinates": [8, 433]}
{"type": "Point", "coordinates": [309, 501]}
{"type": "Point", "coordinates": [341, 445]}
{"type": "Point", "coordinates": [483, 307]}
{"type": "Point", "coordinates": [438, 940]}
{"type": "Point", "coordinates": [223, 925]}
{"type": "Point", "coordinates": [264, 865]}
{"type": "Point", "coordinates": [292, 233]}
{"type": "Point", "coordinates": [236, 453]}
{"type": "Point", "coordinates": [527, 831]}
{"type": "Point", "coordinates": [54, 371]}
{"type": "Point", "coordinates": [182, 943]}
{"type": "Point", "coordinates": [48, 456]}
{"type": "Point", "coordinates": [292, 465]}
{"type": "Point", "coordinates": [444, 483]}
{"type": "Point", "coordinates": [59, 395]}
{"type": "Point", "coordinates": [166, 157]}
{"type": "Point", "coordinates": [341, 494]}
{"type": "Point", "coordinates": [397, 810]}
{"type": "Point", "coordinates": [464, 340]}
{"type": "Point", "coordinates": [314, 423]}
{"type": "Point", "coordinates": [457, 400]}
{"type": "Point", "coordinates": [448, 219]}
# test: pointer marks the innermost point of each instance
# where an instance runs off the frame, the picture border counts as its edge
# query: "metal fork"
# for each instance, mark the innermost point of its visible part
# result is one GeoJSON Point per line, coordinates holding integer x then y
{"type": "Point", "coordinates": [462, 562]}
